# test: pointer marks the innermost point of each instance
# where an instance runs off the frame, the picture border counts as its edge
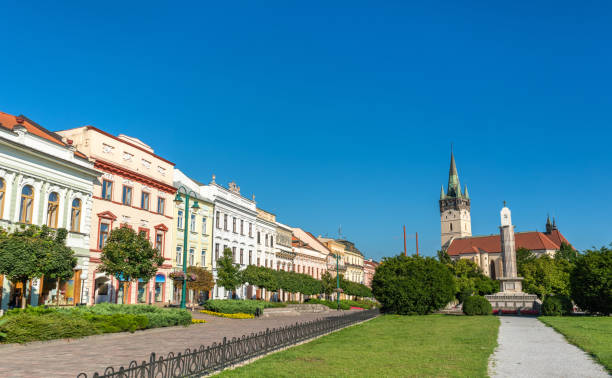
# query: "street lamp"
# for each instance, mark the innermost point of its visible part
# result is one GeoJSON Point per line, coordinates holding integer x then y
{"type": "Point", "coordinates": [178, 200]}
{"type": "Point", "coordinates": [337, 282]}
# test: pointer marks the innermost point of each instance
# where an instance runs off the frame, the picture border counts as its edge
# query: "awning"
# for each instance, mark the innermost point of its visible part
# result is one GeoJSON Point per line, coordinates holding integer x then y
{"type": "Point", "coordinates": [160, 278]}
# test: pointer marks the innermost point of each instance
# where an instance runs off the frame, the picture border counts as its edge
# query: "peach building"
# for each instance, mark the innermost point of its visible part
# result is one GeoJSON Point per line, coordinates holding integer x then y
{"type": "Point", "coordinates": [310, 254]}
{"type": "Point", "coordinates": [136, 190]}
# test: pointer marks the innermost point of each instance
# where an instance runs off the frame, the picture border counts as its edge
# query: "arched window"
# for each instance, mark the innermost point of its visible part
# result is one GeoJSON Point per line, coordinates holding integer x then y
{"type": "Point", "coordinates": [26, 205]}
{"type": "Point", "coordinates": [52, 210]}
{"type": "Point", "coordinates": [451, 226]}
{"type": "Point", "coordinates": [2, 192]}
{"type": "Point", "coordinates": [75, 215]}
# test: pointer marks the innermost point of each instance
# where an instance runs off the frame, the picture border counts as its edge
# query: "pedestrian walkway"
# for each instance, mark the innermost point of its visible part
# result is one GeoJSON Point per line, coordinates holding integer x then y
{"type": "Point", "coordinates": [67, 358]}
{"type": "Point", "coordinates": [528, 348]}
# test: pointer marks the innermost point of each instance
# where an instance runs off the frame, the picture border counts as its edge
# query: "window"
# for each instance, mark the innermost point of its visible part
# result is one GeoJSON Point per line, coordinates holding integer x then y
{"type": "Point", "coordinates": [241, 256]}
{"type": "Point", "coordinates": [278, 265]}
{"type": "Point", "coordinates": [203, 258]}
{"type": "Point", "coordinates": [266, 240]}
{"type": "Point", "coordinates": [2, 192]}
{"type": "Point", "coordinates": [258, 261]}
{"type": "Point", "coordinates": [217, 220]}
{"type": "Point", "coordinates": [225, 222]}
{"type": "Point", "coordinates": [179, 219]}
{"type": "Point", "coordinates": [258, 237]}
{"type": "Point", "coordinates": [103, 234]}
{"type": "Point", "coordinates": [234, 256]}
{"type": "Point", "coordinates": [144, 233]}
{"type": "Point", "coordinates": [144, 201]}
{"type": "Point", "coordinates": [191, 256]}
{"type": "Point", "coordinates": [75, 215]}
{"type": "Point", "coordinates": [451, 226]}
{"type": "Point", "coordinates": [159, 241]}
{"type": "Point", "coordinates": [241, 227]}
{"type": "Point", "coordinates": [179, 256]}
{"type": "Point", "coordinates": [251, 229]}
{"type": "Point", "coordinates": [234, 225]}
{"type": "Point", "coordinates": [161, 205]}
{"type": "Point", "coordinates": [126, 196]}
{"type": "Point", "coordinates": [27, 203]}
{"type": "Point", "coordinates": [203, 225]}
{"type": "Point", "coordinates": [52, 210]}
{"type": "Point", "coordinates": [192, 223]}
{"type": "Point", "coordinates": [107, 190]}
{"type": "Point", "coordinates": [250, 257]}
{"type": "Point", "coordinates": [266, 263]}
{"type": "Point", "coordinates": [216, 251]}
{"type": "Point", "coordinates": [271, 241]}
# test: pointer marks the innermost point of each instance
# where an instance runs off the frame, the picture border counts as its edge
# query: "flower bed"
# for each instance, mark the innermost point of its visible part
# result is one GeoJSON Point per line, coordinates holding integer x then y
{"type": "Point", "coordinates": [530, 312]}
{"type": "Point", "coordinates": [231, 316]}
{"type": "Point", "coordinates": [505, 312]}
{"type": "Point", "coordinates": [234, 306]}
{"type": "Point", "coordinates": [198, 321]}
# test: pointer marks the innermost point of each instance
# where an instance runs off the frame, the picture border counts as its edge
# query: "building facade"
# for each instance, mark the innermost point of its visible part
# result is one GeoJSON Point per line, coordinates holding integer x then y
{"type": "Point", "coordinates": [336, 260]}
{"type": "Point", "coordinates": [311, 255]}
{"type": "Point", "coordinates": [354, 262]}
{"type": "Point", "coordinates": [45, 180]}
{"type": "Point", "coordinates": [199, 228]}
{"type": "Point", "coordinates": [135, 190]}
{"type": "Point", "coordinates": [369, 268]}
{"type": "Point", "coordinates": [285, 254]}
{"type": "Point", "coordinates": [235, 220]}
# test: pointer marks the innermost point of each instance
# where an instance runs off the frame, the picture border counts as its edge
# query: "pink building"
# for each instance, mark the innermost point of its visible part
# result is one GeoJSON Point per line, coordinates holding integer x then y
{"type": "Point", "coordinates": [136, 191]}
{"type": "Point", "coordinates": [369, 268]}
{"type": "Point", "coordinates": [310, 254]}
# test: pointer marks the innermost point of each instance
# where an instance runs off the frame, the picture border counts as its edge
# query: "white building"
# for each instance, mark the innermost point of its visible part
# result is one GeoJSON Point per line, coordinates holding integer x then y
{"type": "Point", "coordinates": [44, 180]}
{"type": "Point", "coordinates": [234, 227]}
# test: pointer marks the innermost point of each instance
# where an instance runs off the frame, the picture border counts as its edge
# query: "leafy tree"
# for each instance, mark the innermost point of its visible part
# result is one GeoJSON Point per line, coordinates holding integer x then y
{"type": "Point", "coordinates": [546, 276]}
{"type": "Point", "coordinates": [328, 283]}
{"type": "Point", "coordinates": [32, 252]}
{"type": "Point", "coordinates": [469, 279]}
{"type": "Point", "coordinates": [523, 256]}
{"type": "Point", "coordinates": [228, 273]}
{"type": "Point", "coordinates": [412, 285]}
{"type": "Point", "coordinates": [591, 281]}
{"type": "Point", "coordinates": [129, 256]}
{"type": "Point", "coordinates": [204, 280]}
{"type": "Point", "coordinates": [566, 252]}
{"type": "Point", "coordinates": [443, 257]}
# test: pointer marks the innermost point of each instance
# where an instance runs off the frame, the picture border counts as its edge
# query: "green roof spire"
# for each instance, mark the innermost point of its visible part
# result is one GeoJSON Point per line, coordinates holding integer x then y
{"type": "Point", "coordinates": [454, 187]}
{"type": "Point", "coordinates": [465, 193]}
{"type": "Point", "coordinates": [442, 192]}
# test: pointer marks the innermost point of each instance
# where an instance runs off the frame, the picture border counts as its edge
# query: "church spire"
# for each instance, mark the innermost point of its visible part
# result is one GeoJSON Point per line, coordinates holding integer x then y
{"type": "Point", "coordinates": [454, 188]}
{"type": "Point", "coordinates": [465, 193]}
{"type": "Point", "coordinates": [442, 192]}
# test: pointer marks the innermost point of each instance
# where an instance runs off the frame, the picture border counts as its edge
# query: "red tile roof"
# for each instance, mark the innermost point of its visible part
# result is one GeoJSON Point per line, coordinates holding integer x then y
{"type": "Point", "coordinates": [533, 240]}
{"type": "Point", "coordinates": [8, 121]}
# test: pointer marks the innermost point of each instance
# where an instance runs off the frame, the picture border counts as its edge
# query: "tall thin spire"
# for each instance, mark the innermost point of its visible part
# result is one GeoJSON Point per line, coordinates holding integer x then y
{"type": "Point", "coordinates": [442, 192]}
{"type": "Point", "coordinates": [454, 187]}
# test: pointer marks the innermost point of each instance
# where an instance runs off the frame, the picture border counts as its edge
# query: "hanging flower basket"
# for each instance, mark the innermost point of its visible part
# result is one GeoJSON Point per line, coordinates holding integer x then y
{"type": "Point", "coordinates": [179, 275]}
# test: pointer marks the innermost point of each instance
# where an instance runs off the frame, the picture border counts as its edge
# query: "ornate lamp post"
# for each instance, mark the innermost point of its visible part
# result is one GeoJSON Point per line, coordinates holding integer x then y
{"type": "Point", "coordinates": [195, 206]}
{"type": "Point", "coordinates": [337, 282]}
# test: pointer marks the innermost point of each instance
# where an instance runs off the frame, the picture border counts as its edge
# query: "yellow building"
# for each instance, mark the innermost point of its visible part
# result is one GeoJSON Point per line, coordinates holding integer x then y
{"type": "Point", "coordinates": [336, 249]}
{"type": "Point", "coordinates": [199, 228]}
{"type": "Point", "coordinates": [353, 261]}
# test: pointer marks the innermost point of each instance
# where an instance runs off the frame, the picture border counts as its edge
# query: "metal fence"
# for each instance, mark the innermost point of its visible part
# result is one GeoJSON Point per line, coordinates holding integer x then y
{"type": "Point", "coordinates": [218, 356]}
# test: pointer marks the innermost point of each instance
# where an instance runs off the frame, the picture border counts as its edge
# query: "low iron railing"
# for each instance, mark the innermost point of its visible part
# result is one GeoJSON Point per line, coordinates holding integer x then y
{"type": "Point", "coordinates": [218, 356]}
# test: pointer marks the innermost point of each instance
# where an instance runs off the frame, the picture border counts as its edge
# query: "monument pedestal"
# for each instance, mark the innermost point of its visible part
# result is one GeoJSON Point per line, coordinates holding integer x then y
{"type": "Point", "coordinates": [511, 296]}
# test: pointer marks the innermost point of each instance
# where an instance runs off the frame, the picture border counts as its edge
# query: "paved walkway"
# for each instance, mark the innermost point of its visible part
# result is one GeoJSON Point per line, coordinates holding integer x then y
{"type": "Point", "coordinates": [67, 358]}
{"type": "Point", "coordinates": [528, 348]}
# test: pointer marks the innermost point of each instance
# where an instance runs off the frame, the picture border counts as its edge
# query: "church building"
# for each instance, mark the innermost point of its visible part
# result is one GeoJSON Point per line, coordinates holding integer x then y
{"type": "Point", "coordinates": [456, 232]}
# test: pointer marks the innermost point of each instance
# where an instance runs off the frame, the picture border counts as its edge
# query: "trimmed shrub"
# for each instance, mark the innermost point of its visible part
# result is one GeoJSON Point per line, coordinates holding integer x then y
{"type": "Point", "coordinates": [235, 306]}
{"type": "Point", "coordinates": [557, 305]}
{"type": "Point", "coordinates": [413, 285]}
{"type": "Point", "coordinates": [477, 305]}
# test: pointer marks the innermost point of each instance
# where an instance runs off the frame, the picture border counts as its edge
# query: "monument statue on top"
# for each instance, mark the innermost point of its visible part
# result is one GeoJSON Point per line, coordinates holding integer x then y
{"type": "Point", "coordinates": [511, 296]}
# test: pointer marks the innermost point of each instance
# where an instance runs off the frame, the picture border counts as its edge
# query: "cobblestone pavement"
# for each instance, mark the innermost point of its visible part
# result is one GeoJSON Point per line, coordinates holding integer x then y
{"type": "Point", "coordinates": [528, 348]}
{"type": "Point", "coordinates": [67, 358]}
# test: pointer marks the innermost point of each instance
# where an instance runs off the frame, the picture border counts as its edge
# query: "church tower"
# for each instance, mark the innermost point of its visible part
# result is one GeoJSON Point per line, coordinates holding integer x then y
{"type": "Point", "coordinates": [455, 221]}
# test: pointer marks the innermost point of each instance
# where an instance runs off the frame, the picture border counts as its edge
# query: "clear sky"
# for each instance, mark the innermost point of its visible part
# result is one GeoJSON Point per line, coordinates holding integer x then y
{"type": "Point", "coordinates": [343, 114]}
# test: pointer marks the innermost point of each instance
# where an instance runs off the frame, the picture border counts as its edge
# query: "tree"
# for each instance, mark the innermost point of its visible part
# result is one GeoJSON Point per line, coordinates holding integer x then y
{"type": "Point", "coordinates": [129, 256]}
{"type": "Point", "coordinates": [566, 252]}
{"type": "Point", "coordinates": [546, 276]}
{"type": "Point", "coordinates": [328, 283]}
{"type": "Point", "coordinates": [228, 273]}
{"type": "Point", "coordinates": [29, 253]}
{"type": "Point", "coordinates": [412, 285]}
{"type": "Point", "coordinates": [523, 256]}
{"type": "Point", "coordinates": [469, 279]}
{"type": "Point", "coordinates": [591, 281]}
{"type": "Point", "coordinates": [204, 280]}
{"type": "Point", "coordinates": [443, 257]}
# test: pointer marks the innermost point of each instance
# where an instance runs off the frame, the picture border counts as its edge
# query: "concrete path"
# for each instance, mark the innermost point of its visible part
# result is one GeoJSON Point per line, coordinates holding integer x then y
{"type": "Point", "coordinates": [67, 358]}
{"type": "Point", "coordinates": [528, 348]}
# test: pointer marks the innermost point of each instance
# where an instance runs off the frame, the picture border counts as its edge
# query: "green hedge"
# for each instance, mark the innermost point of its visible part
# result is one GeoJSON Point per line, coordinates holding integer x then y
{"type": "Point", "coordinates": [557, 305]}
{"type": "Point", "coordinates": [477, 305]}
{"type": "Point", "coordinates": [41, 323]}
{"type": "Point", "coordinates": [234, 306]}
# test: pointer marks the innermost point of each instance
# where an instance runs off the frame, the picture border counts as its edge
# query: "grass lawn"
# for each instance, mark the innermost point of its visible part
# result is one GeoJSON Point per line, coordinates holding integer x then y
{"type": "Point", "coordinates": [592, 334]}
{"type": "Point", "coordinates": [389, 346]}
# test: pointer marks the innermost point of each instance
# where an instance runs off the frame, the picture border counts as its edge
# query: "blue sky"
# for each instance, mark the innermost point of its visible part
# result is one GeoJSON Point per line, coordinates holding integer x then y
{"type": "Point", "coordinates": [343, 114]}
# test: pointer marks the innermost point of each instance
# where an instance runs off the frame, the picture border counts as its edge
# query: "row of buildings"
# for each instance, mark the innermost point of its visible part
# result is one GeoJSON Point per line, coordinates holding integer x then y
{"type": "Point", "coordinates": [90, 182]}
